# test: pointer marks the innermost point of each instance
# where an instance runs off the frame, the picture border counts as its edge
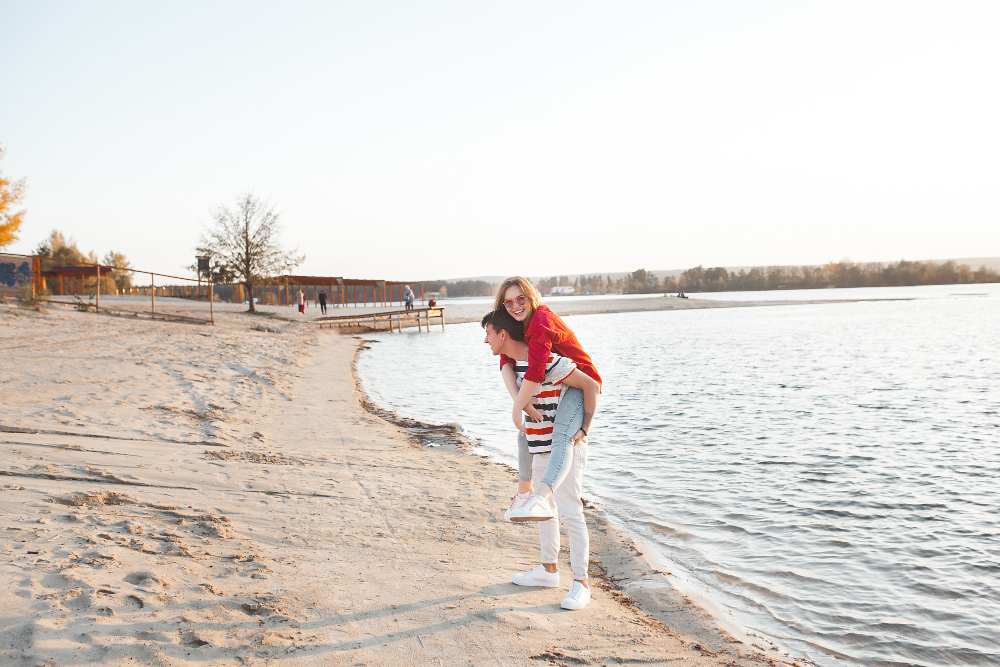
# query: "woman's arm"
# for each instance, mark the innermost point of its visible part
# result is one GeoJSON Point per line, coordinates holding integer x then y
{"type": "Point", "coordinates": [510, 381]}
{"type": "Point", "coordinates": [523, 399]}
{"type": "Point", "coordinates": [591, 390]}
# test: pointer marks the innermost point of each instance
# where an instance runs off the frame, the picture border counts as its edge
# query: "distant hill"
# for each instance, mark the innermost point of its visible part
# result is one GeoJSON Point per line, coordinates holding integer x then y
{"type": "Point", "coordinates": [992, 263]}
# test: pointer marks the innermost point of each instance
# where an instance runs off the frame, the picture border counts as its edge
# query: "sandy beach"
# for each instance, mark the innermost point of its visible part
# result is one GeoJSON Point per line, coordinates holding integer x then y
{"type": "Point", "coordinates": [178, 494]}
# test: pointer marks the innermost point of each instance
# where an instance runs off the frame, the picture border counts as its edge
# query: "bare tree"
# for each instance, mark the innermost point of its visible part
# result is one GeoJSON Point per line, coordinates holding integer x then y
{"type": "Point", "coordinates": [244, 238]}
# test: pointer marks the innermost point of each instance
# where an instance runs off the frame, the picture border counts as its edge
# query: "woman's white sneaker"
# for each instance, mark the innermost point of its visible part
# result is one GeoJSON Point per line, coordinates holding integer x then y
{"type": "Point", "coordinates": [577, 598]}
{"type": "Point", "coordinates": [517, 501]}
{"type": "Point", "coordinates": [536, 509]}
{"type": "Point", "coordinates": [537, 577]}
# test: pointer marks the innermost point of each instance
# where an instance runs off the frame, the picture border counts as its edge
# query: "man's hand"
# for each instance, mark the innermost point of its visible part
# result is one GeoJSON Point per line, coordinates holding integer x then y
{"type": "Point", "coordinates": [532, 412]}
{"type": "Point", "coordinates": [580, 435]}
{"type": "Point", "coordinates": [518, 422]}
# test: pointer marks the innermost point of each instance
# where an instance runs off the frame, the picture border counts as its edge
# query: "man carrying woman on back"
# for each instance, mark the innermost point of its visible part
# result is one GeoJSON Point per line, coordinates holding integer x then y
{"type": "Point", "coordinates": [545, 362]}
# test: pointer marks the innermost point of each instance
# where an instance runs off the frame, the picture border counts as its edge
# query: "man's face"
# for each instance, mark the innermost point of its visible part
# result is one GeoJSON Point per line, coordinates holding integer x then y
{"type": "Point", "coordinates": [493, 339]}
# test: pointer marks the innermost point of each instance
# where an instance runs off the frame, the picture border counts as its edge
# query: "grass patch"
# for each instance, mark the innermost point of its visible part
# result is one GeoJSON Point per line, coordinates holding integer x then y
{"type": "Point", "coordinates": [82, 305]}
{"type": "Point", "coordinates": [33, 299]}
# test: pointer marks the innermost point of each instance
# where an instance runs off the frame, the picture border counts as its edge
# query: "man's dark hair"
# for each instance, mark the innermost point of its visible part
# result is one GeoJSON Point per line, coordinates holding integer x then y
{"type": "Point", "coordinates": [503, 321]}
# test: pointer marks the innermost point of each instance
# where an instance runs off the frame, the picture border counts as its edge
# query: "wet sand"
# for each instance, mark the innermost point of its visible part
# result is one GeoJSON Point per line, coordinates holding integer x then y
{"type": "Point", "coordinates": [174, 493]}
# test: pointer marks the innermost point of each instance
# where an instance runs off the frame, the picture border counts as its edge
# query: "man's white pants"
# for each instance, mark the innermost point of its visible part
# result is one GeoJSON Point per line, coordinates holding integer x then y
{"type": "Point", "coordinates": [569, 509]}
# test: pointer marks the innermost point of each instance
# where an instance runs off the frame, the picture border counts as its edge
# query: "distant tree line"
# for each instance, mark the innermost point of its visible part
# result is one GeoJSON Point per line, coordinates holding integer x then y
{"type": "Point", "coordinates": [637, 282]}
{"type": "Point", "coordinates": [834, 274]}
{"type": "Point", "coordinates": [595, 284]}
{"type": "Point", "coordinates": [453, 288]}
{"type": "Point", "coordinates": [718, 279]}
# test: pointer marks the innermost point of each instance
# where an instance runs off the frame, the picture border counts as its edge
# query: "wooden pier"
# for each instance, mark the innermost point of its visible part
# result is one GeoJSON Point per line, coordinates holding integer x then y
{"type": "Point", "coordinates": [389, 320]}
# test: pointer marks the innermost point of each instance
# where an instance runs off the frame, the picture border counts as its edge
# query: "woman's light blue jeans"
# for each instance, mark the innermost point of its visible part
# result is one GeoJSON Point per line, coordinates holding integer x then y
{"type": "Point", "coordinates": [569, 419]}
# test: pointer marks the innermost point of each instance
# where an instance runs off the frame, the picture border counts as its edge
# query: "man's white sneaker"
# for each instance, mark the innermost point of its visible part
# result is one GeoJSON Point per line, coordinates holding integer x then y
{"type": "Point", "coordinates": [518, 500]}
{"type": "Point", "coordinates": [536, 509]}
{"type": "Point", "coordinates": [537, 577]}
{"type": "Point", "coordinates": [577, 598]}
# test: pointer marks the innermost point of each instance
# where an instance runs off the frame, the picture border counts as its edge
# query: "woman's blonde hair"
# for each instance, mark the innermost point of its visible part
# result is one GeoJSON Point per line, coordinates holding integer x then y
{"type": "Point", "coordinates": [526, 288]}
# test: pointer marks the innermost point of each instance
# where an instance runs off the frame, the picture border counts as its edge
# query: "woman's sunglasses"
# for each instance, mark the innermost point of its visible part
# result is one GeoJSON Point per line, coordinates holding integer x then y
{"type": "Point", "coordinates": [521, 300]}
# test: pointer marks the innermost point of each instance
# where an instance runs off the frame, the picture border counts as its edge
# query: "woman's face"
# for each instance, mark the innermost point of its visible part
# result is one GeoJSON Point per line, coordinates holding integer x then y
{"type": "Point", "coordinates": [516, 303]}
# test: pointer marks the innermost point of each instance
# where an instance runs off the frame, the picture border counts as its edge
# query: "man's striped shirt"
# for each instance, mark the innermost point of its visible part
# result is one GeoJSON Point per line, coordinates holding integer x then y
{"type": "Point", "coordinates": [546, 401]}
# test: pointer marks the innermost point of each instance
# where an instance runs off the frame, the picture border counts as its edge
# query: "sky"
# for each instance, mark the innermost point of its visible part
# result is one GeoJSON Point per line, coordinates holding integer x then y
{"type": "Point", "coordinates": [420, 140]}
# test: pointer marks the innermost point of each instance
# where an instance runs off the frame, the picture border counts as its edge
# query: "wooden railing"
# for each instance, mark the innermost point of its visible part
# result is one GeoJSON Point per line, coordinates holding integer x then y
{"type": "Point", "coordinates": [393, 320]}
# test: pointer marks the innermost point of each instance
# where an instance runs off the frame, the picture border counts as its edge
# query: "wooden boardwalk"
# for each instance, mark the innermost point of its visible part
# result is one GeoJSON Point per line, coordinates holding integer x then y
{"type": "Point", "coordinates": [393, 320]}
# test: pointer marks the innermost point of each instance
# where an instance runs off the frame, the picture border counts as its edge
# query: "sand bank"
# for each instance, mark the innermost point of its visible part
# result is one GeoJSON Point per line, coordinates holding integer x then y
{"type": "Point", "coordinates": [175, 494]}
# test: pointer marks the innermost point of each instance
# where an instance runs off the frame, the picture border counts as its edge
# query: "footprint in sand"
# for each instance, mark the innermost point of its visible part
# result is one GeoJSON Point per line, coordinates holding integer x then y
{"type": "Point", "coordinates": [80, 602]}
{"type": "Point", "coordinates": [134, 602]}
{"type": "Point", "coordinates": [148, 579]}
{"type": "Point", "coordinates": [95, 559]}
{"type": "Point", "coordinates": [62, 582]}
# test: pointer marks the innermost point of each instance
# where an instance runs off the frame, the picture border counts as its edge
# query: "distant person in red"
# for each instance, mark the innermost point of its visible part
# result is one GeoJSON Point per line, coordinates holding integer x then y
{"type": "Point", "coordinates": [431, 303]}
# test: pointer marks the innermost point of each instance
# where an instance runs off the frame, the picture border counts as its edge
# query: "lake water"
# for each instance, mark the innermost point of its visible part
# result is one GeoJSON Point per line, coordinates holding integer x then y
{"type": "Point", "coordinates": [828, 473]}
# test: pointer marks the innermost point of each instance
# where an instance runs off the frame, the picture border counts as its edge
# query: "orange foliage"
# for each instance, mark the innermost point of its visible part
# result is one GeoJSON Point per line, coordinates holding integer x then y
{"type": "Point", "coordinates": [11, 192]}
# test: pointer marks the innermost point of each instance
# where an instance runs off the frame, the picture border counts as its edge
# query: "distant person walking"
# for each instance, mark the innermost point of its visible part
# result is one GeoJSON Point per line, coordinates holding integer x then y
{"type": "Point", "coordinates": [322, 301]}
{"type": "Point", "coordinates": [300, 301]}
{"type": "Point", "coordinates": [408, 298]}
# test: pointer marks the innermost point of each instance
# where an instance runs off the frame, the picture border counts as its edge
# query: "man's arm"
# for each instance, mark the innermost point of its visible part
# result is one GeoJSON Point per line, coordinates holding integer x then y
{"type": "Point", "coordinates": [509, 379]}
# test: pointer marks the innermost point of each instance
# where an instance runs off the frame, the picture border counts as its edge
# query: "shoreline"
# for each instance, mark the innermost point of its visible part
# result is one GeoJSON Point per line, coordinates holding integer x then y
{"type": "Point", "coordinates": [634, 579]}
{"type": "Point", "coordinates": [176, 494]}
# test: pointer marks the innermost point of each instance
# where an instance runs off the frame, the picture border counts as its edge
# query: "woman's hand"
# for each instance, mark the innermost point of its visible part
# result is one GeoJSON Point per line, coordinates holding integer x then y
{"type": "Point", "coordinates": [530, 410]}
{"type": "Point", "coordinates": [518, 422]}
{"type": "Point", "coordinates": [580, 435]}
